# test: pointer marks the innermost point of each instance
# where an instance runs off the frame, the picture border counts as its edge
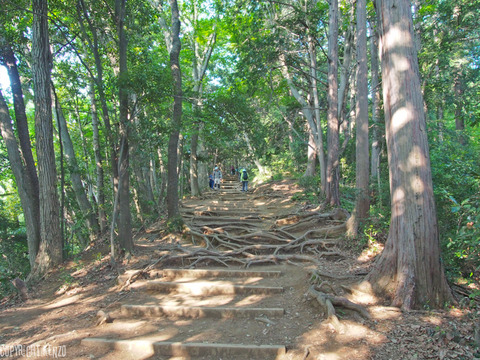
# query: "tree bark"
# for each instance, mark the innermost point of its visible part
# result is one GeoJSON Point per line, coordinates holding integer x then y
{"type": "Point", "coordinates": [100, 180]}
{"type": "Point", "coordinates": [50, 250]}
{"type": "Point", "coordinates": [362, 201]}
{"type": "Point", "coordinates": [172, 186]}
{"type": "Point", "coordinates": [409, 269]}
{"type": "Point", "coordinates": [125, 237]}
{"type": "Point", "coordinates": [333, 176]}
{"type": "Point", "coordinates": [311, 154]}
{"type": "Point", "coordinates": [375, 96]}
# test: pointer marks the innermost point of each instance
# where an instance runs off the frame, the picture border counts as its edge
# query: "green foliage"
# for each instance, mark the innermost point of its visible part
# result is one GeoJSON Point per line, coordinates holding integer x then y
{"type": "Point", "coordinates": [175, 225]}
{"type": "Point", "coordinates": [463, 247]}
{"type": "Point", "coordinates": [456, 175]}
{"type": "Point", "coordinates": [14, 260]}
{"type": "Point", "coordinates": [311, 190]}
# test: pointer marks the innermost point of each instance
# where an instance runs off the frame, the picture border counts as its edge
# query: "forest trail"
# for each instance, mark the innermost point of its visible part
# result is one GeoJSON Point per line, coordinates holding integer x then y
{"type": "Point", "coordinates": [234, 285]}
{"type": "Point", "coordinates": [235, 297]}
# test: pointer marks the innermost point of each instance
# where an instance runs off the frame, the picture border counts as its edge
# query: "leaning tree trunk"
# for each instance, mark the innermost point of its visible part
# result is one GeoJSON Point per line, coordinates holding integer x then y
{"type": "Point", "coordinates": [33, 228]}
{"type": "Point", "coordinates": [362, 201]}
{"type": "Point", "coordinates": [74, 169]}
{"type": "Point", "coordinates": [25, 189]}
{"type": "Point", "coordinates": [333, 176]}
{"type": "Point", "coordinates": [172, 186]}
{"type": "Point", "coordinates": [409, 269]}
{"type": "Point", "coordinates": [50, 250]}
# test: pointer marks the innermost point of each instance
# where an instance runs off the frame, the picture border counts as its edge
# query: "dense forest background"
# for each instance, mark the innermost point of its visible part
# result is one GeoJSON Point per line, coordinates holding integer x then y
{"type": "Point", "coordinates": [147, 96]}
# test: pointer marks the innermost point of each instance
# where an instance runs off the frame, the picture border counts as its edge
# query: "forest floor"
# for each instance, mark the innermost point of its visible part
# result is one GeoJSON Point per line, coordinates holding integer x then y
{"type": "Point", "coordinates": [64, 307]}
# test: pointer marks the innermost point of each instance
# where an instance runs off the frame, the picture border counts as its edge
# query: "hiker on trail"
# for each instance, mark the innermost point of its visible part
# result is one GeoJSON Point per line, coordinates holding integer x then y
{"type": "Point", "coordinates": [217, 178]}
{"type": "Point", "coordinates": [210, 181]}
{"type": "Point", "coordinates": [244, 179]}
{"type": "Point", "coordinates": [232, 171]}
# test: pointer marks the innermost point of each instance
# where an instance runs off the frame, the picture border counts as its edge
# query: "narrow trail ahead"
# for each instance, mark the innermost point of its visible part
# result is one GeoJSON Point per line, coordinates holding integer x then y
{"type": "Point", "coordinates": [236, 289]}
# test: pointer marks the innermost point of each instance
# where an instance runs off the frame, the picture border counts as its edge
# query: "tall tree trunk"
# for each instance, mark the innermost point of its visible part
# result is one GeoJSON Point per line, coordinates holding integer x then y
{"type": "Point", "coordinates": [458, 89]}
{"type": "Point", "coordinates": [200, 64]}
{"type": "Point", "coordinates": [50, 250]}
{"type": "Point", "coordinates": [194, 184]}
{"type": "Point", "coordinates": [25, 189]}
{"type": "Point", "coordinates": [172, 186]}
{"type": "Point", "coordinates": [409, 268]}
{"type": "Point", "coordinates": [7, 58]}
{"type": "Point", "coordinates": [362, 201]}
{"type": "Point", "coordinates": [100, 181]}
{"type": "Point", "coordinates": [375, 96]}
{"type": "Point", "coordinates": [346, 68]}
{"type": "Point", "coordinates": [125, 238]}
{"type": "Point", "coordinates": [311, 115]}
{"type": "Point", "coordinates": [78, 189]}
{"type": "Point", "coordinates": [317, 136]}
{"type": "Point", "coordinates": [333, 176]}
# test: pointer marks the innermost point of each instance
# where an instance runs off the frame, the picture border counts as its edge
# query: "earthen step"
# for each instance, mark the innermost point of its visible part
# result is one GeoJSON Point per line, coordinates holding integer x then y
{"type": "Point", "coordinates": [140, 349]}
{"type": "Point", "coordinates": [222, 273]}
{"type": "Point", "coordinates": [207, 288]}
{"type": "Point", "coordinates": [200, 311]}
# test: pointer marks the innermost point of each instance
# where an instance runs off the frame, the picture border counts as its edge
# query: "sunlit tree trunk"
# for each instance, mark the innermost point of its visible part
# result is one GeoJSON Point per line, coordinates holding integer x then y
{"type": "Point", "coordinates": [362, 201]}
{"type": "Point", "coordinates": [172, 186]}
{"type": "Point", "coordinates": [50, 250]}
{"type": "Point", "coordinates": [333, 176]}
{"type": "Point", "coordinates": [311, 154]}
{"type": "Point", "coordinates": [409, 270]}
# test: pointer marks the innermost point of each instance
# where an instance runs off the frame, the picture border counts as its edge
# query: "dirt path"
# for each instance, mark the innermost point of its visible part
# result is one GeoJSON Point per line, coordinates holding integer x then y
{"type": "Point", "coordinates": [259, 309]}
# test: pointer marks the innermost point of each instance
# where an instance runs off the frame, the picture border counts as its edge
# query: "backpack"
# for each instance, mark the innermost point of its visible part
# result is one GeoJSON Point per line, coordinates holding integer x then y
{"type": "Point", "coordinates": [244, 175]}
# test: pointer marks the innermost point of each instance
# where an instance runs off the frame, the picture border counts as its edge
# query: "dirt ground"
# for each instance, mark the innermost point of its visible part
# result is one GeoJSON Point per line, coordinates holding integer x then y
{"type": "Point", "coordinates": [62, 309]}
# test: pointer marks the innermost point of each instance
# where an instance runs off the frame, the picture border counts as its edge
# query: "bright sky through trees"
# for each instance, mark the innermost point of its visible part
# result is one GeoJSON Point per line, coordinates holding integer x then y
{"type": "Point", "coordinates": [4, 81]}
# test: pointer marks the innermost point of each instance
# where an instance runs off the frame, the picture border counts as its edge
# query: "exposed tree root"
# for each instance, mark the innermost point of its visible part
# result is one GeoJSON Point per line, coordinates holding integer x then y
{"type": "Point", "coordinates": [328, 302]}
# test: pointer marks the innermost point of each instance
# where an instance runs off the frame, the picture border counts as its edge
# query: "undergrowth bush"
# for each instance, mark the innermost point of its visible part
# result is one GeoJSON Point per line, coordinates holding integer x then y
{"type": "Point", "coordinates": [456, 179]}
{"type": "Point", "coordinates": [14, 260]}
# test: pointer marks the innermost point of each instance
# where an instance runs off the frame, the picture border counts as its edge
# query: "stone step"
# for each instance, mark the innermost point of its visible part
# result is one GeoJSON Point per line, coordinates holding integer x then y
{"type": "Point", "coordinates": [222, 273]}
{"type": "Point", "coordinates": [208, 288]}
{"type": "Point", "coordinates": [196, 312]}
{"type": "Point", "coordinates": [216, 213]}
{"type": "Point", "coordinates": [141, 349]}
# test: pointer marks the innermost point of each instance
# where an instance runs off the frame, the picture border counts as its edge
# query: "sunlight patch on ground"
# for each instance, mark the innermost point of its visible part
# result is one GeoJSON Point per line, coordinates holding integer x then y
{"type": "Point", "coordinates": [432, 319]}
{"type": "Point", "coordinates": [188, 301]}
{"type": "Point", "coordinates": [385, 313]}
{"type": "Point", "coordinates": [63, 302]}
{"type": "Point", "coordinates": [249, 300]}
